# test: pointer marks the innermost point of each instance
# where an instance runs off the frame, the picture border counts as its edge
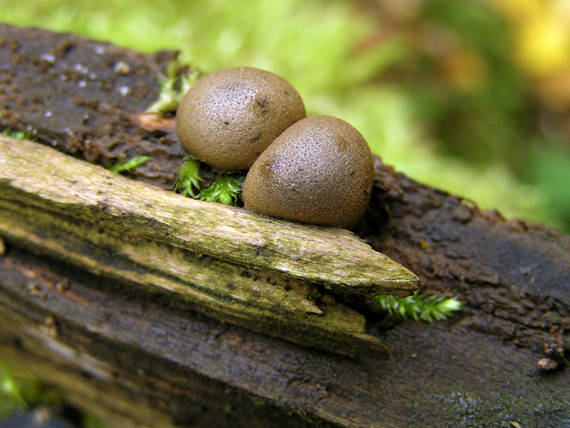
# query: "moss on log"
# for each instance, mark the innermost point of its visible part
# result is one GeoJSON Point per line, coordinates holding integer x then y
{"type": "Point", "coordinates": [89, 333]}
{"type": "Point", "coordinates": [41, 177]}
{"type": "Point", "coordinates": [134, 232]}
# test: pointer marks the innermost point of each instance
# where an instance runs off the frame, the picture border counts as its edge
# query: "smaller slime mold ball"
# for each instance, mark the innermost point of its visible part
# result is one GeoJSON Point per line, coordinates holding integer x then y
{"type": "Point", "coordinates": [228, 118]}
{"type": "Point", "coordinates": [320, 171]}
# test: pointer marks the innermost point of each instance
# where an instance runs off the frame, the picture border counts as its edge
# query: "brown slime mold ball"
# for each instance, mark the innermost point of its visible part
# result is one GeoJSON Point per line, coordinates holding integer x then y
{"type": "Point", "coordinates": [320, 171]}
{"type": "Point", "coordinates": [229, 117]}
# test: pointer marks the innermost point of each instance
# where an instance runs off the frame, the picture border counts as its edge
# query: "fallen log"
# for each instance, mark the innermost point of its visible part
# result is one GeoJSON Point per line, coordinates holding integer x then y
{"type": "Point", "coordinates": [85, 215]}
{"type": "Point", "coordinates": [134, 356]}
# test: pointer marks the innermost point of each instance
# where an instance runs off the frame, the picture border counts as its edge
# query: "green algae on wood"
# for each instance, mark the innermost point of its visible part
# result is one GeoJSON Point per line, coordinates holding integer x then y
{"type": "Point", "coordinates": [261, 301]}
{"type": "Point", "coordinates": [225, 262]}
{"type": "Point", "coordinates": [43, 177]}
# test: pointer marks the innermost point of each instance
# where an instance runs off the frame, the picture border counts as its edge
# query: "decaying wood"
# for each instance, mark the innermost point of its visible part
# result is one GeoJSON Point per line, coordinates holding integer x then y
{"type": "Point", "coordinates": [131, 357]}
{"type": "Point", "coordinates": [40, 177]}
{"type": "Point", "coordinates": [88, 333]}
{"type": "Point", "coordinates": [82, 214]}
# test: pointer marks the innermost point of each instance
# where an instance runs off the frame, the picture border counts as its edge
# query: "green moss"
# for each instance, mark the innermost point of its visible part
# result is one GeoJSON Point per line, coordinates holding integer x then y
{"type": "Point", "coordinates": [225, 190]}
{"type": "Point", "coordinates": [173, 87]}
{"type": "Point", "coordinates": [24, 391]}
{"type": "Point", "coordinates": [420, 307]}
{"type": "Point", "coordinates": [188, 180]}
{"type": "Point", "coordinates": [130, 164]}
{"type": "Point", "coordinates": [337, 63]}
{"type": "Point", "coordinates": [18, 135]}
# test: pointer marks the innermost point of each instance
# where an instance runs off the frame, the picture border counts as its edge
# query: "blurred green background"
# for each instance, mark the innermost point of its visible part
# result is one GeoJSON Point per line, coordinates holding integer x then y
{"type": "Point", "coordinates": [470, 96]}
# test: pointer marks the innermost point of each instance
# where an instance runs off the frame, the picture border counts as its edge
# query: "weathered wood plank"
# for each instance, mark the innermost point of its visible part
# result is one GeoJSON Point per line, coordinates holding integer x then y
{"type": "Point", "coordinates": [134, 232]}
{"type": "Point", "coordinates": [41, 177]}
{"type": "Point", "coordinates": [100, 335]}
{"type": "Point", "coordinates": [260, 301]}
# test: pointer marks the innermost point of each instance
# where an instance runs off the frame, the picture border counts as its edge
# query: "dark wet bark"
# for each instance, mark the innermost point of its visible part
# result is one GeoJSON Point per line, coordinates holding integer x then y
{"type": "Point", "coordinates": [157, 363]}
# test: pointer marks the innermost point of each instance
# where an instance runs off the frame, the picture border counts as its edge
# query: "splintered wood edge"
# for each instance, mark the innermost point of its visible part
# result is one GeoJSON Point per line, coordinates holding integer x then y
{"type": "Point", "coordinates": [266, 302]}
{"type": "Point", "coordinates": [88, 192]}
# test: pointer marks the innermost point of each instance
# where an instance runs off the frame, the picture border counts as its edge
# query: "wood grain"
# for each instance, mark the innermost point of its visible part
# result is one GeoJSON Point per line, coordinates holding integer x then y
{"type": "Point", "coordinates": [44, 178]}
{"type": "Point", "coordinates": [199, 251]}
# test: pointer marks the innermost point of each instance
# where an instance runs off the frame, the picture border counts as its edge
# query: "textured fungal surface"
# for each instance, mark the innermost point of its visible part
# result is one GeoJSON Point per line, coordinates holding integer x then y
{"type": "Point", "coordinates": [320, 170]}
{"type": "Point", "coordinates": [229, 117]}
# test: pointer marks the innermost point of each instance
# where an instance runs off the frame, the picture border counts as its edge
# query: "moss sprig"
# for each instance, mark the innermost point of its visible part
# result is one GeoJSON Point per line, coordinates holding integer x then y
{"type": "Point", "coordinates": [188, 180]}
{"type": "Point", "coordinates": [130, 164]}
{"type": "Point", "coordinates": [12, 398]}
{"type": "Point", "coordinates": [419, 306]}
{"type": "Point", "coordinates": [18, 135]}
{"type": "Point", "coordinates": [225, 190]}
{"type": "Point", "coordinates": [24, 391]}
{"type": "Point", "coordinates": [173, 86]}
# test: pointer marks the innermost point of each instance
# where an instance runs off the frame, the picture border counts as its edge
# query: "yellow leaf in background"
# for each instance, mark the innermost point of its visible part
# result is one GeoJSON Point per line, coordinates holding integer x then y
{"type": "Point", "coordinates": [541, 30]}
{"type": "Point", "coordinates": [520, 9]}
{"type": "Point", "coordinates": [543, 45]}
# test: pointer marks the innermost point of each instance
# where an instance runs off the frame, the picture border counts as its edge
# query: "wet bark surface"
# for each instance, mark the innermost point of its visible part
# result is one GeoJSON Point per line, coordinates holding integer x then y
{"type": "Point", "coordinates": [88, 98]}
